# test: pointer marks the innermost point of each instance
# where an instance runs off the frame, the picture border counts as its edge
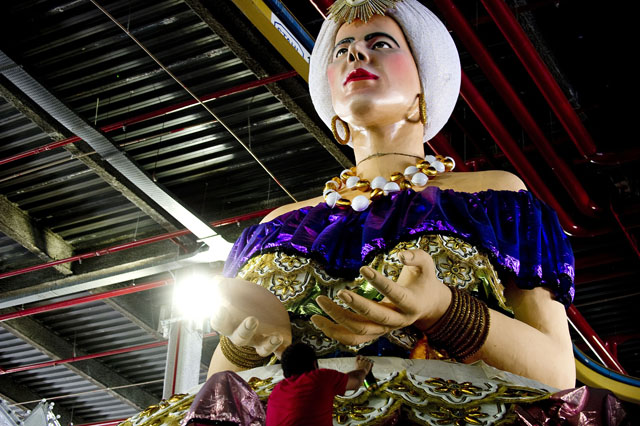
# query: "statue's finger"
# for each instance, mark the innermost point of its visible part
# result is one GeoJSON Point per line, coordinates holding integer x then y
{"type": "Point", "coordinates": [243, 334]}
{"type": "Point", "coordinates": [270, 345]}
{"type": "Point", "coordinates": [395, 293]}
{"type": "Point", "coordinates": [354, 322]}
{"type": "Point", "coordinates": [339, 332]}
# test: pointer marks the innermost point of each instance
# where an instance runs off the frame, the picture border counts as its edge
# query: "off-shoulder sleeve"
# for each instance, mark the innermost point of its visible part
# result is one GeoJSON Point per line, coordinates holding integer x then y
{"type": "Point", "coordinates": [521, 234]}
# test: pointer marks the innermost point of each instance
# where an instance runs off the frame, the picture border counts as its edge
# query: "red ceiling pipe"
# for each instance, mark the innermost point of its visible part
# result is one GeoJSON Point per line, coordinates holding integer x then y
{"type": "Point", "coordinates": [612, 342]}
{"type": "Point", "coordinates": [593, 340]}
{"type": "Point", "coordinates": [153, 114]}
{"type": "Point", "coordinates": [85, 299]}
{"type": "Point", "coordinates": [512, 151]}
{"type": "Point", "coordinates": [322, 6]}
{"type": "Point", "coordinates": [567, 178]}
{"type": "Point", "coordinates": [84, 357]}
{"type": "Point", "coordinates": [632, 241]}
{"type": "Point", "coordinates": [132, 244]}
{"type": "Point", "coordinates": [128, 349]}
{"type": "Point", "coordinates": [441, 146]}
{"type": "Point", "coordinates": [541, 75]}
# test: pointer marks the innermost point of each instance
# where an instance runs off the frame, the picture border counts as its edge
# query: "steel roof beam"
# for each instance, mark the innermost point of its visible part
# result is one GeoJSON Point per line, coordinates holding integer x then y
{"type": "Point", "coordinates": [228, 23]}
{"type": "Point", "coordinates": [78, 150]}
{"type": "Point", "coordinates": [18, 225]}
{"type": "Point", "coordinates": [110, 152]}
{"type": "Point", "coordinates": [92, 370]}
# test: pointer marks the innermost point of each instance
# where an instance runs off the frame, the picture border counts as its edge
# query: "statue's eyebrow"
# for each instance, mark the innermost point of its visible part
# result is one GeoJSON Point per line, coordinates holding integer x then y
{"type": "Point", "coordinates": [366, 38]}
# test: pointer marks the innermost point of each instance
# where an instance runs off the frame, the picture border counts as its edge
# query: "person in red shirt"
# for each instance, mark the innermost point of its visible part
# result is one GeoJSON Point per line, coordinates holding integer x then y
{"type": "Point", "coordinates": [305, 396]}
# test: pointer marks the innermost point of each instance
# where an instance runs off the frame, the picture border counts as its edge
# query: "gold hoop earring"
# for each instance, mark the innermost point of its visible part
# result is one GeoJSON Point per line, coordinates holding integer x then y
{"type": "Point", "coordinates": [422, 107]}
{"type": "Point", "coordinates": [334, 130]}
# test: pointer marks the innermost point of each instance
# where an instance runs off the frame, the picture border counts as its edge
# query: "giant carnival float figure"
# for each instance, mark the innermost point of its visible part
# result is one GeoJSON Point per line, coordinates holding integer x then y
{"type": "Point", "coordinates": [454, 283]}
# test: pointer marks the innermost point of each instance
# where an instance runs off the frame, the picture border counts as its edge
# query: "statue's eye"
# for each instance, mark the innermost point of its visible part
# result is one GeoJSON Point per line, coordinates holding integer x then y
{"type": "Point", "coordinates": [341, 51]}
{"type": "Point", "coordinates": [381, 45]}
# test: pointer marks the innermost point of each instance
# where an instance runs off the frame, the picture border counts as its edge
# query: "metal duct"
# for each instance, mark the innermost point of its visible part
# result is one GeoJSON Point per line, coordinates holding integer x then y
{"type": "Point", "coordinates": [103, 146]}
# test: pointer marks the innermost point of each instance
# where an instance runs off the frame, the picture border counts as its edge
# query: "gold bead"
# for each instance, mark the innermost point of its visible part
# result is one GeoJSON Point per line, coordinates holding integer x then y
{"type": "Point", "coordinates": [448, 164]}
{"type": "Point", "coordinates": [440, 158]}
{"type": "Point", "coordinates": [430, 171]}
{"type": "Point", "coordinates": [363, 185]}
{"type": "Point", "coordinates": [376, 193]}
{"type": "Point", "coordinates": [396, 177]}
{"type": "Point", "coordinates": [405, 184]}
{"type": "Point", "coordinates": [422, 163]}
{"type": "Point", "coordinates": [345, 174]}
{"type": "Point", "coordinates": [343, 202]}
{"type": "Point", "coordinates": [337, 181]}
{"type": "Point", "coordinates": [354, 170]}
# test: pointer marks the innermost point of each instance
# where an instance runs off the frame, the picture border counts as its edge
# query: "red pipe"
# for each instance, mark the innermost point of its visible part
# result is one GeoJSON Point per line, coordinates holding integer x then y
{"type": "Point", "coordinates": [592, 338]}
{"type": "Point", "coordinates": [512, 151]}
{"type": "Point", "coordinates": [175, 363]}
{"type": "Point", "coordinates": [84, 357]}
{"type": "Point", "coordinates": [135, 348]}
{"type": "Point", "coordinates": [482, 56]}
{"type": "Point", "coordinates": [627, 234]}
{"type": "Point", "coordinates": [121, 124]}
{"type": "Point", "coordinates": [132, 244]}
{"type": "Point", "coordinates": [541, 75]}
{"type": "Point", "coordinates": [84, 299]}
{"type": "Point", "coordinates": [441, 146]}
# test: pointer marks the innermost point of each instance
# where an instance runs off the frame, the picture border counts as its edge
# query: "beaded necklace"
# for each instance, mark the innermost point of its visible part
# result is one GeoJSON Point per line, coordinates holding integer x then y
{"type": "Point", "coordinates": [417, 175]}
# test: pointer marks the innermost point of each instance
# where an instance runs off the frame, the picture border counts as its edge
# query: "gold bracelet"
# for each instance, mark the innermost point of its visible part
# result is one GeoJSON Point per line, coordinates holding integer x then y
{"type": "Point", "coordinates": [241, 356]}
{"type": "Point", "coordinates": [463, 328]}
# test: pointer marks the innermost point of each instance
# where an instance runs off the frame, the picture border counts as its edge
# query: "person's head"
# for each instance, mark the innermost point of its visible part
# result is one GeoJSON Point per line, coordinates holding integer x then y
{"type": "Point", "coordinates": [419, 33]}
{"type": "Point", "coordinates": [298, 358]}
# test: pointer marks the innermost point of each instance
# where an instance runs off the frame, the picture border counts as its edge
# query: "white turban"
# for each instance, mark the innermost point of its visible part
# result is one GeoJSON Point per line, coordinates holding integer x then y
{"type": "Point", "coordinates": [433, 50]}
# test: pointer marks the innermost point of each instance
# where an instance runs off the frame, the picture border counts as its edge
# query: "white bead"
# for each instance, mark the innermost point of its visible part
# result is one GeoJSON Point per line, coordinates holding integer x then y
{"type": "Point", "coordinates": [351, 182]}
{"type": "Point", "coordinates": [453, 161]}
{"type": "Point", "coordinates": [438, 166]}
{"type": "Point", "coordinates": [419, 179]}
{"type": "Point", "coordinates": [378, 182]}
{"type": "Point", "coordinates": [331, 199]}
{"type": "Point", "coordinates": [391, 187]}
{"type": "Point", "coordinates": [360, 203]}
{"type": "Point", "coordinates": [410, 170]}
{"type": "Point", "coordinates": [429, 158]}
{"type": "Point", "coordinates": [347, 171]}
{"type": "Point", "coordinates": [327, 192]}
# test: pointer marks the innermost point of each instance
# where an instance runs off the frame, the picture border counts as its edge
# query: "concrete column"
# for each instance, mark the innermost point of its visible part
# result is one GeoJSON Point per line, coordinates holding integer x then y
{"type": "Point", "coordinates": [182, 371]}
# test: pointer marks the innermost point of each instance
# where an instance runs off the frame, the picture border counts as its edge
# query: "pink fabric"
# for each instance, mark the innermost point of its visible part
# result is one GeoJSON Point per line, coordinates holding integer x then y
{"type": "Point", "coordinates": [576, 407]}
{"type": "Point", "coordinates": [226, 397]}
{"type": "Point", "coordinates": [307, 399]}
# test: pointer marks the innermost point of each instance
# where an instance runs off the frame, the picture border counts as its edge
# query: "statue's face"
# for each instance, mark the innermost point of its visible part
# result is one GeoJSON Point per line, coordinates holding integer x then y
{"type": "Point", "coordinates": [373, 77]}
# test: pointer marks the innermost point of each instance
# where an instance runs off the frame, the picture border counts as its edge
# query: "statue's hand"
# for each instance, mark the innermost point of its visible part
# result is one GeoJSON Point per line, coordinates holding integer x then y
{"type": "Point", "coordinates": [250, 315]}
{"type": "Point", "coordinates": [418, 298]}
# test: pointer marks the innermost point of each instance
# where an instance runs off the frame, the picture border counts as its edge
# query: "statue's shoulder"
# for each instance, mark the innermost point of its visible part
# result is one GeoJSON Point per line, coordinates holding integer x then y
{"type": "Point", "coordinates": [497, 180]}
{"type": "Point", "coordinates": [291, 207]}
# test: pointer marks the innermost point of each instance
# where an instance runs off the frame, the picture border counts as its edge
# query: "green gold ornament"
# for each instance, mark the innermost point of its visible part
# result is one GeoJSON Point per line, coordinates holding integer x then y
{"type": "Point", "coordinates": [350, 10]}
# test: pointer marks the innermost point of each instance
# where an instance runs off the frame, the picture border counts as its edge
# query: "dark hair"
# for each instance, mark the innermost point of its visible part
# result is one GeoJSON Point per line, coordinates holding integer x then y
{"type": "Point", "coordinates": [297, 359]}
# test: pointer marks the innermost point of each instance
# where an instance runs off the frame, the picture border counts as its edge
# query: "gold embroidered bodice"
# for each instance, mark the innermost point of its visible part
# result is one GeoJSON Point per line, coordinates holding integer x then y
{"type": "Point", "coordinates": [297, 281]}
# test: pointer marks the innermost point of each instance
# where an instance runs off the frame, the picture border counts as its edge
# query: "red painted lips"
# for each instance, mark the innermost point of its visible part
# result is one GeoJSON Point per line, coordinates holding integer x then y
{"type": "Point", "coordinates": [359, 74]}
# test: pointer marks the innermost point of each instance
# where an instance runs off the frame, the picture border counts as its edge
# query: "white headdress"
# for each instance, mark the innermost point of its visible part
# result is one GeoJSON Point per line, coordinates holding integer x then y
{"type": "Point", "coordinates": [433, 50]}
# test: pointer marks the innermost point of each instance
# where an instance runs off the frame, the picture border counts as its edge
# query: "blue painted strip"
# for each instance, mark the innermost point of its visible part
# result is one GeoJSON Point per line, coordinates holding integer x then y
{"type": "Point", "coordinates": [292, 24]}
{"type": "Point", "coordinates": [604, 371]}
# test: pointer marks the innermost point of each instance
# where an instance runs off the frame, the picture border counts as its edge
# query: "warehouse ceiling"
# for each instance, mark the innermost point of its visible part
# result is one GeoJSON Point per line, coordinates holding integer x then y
{"type": "Point", "coordinates": [107, 158]}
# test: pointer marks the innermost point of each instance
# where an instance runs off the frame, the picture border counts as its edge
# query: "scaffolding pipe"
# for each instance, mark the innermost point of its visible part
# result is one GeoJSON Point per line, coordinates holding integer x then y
{"type": "Point", "coordinates": [479, 52]}
{"type": "Point", "coordinates": [132, 244]}
{"type": "Point", "coordinates": [592, 339]}
{"type": "Point", "coordinates": [153, 114]}
{"type": "Point", "coordinates": [537, 69]}
{"type": "Point", "coordinates": [84, 299]}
